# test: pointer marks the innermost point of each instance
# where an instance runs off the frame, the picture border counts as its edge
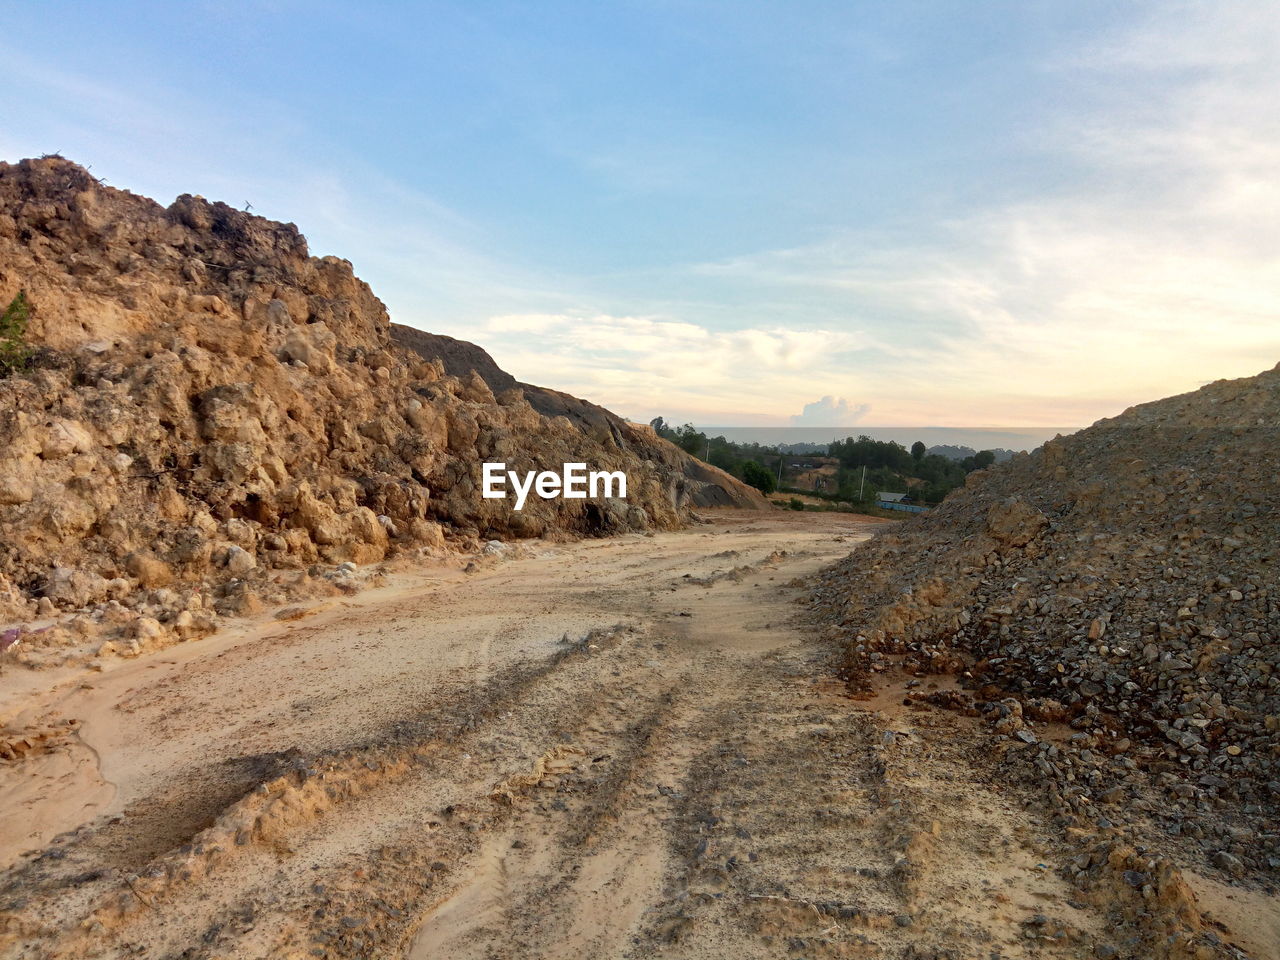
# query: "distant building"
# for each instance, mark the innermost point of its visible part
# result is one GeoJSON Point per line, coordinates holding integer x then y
{"type": "Point", "coordinates": [899, 501]}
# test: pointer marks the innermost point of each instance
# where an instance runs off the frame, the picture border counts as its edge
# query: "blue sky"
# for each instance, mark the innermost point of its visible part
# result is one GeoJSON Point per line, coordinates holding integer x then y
{"type": "Point", "coordinates": [955, 214]}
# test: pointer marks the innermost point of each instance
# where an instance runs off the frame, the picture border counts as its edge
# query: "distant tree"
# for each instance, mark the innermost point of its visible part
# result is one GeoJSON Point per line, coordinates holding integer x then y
{"type": "Point", "coordinates": [866, 452]}
{"type": "Point", "coordinates": [984, 459]}
{"type": "Point", "coordinates": [722, 458]}
{"type": "Point", "coordinates": [14, 352]}
{"type": "Point", "coordinates": [918, 450]}
{"type": "Point", "coordinates": [689, 439]}
{"type": "Point", "coordinates": [758, 477]}
{"type": "Point", "coordinates": [659, 426]}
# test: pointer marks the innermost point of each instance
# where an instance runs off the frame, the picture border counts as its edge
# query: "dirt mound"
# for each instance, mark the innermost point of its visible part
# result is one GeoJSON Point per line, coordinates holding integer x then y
{"type": "Point", "coordinates": [459, 357]}
{"type": "Point", "coordinates": [707, 486]}
{"type": "Point", "coordinates": [1123, 580]}
{"type": "Point", "coordinates": [215, 416]}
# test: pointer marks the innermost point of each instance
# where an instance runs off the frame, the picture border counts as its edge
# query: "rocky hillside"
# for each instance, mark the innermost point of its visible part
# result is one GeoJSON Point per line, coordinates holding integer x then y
{"type": "Point", "coordinates": [461, 358]}
{"type": "Point", "coordinates": [703, 485]}
{"type": "Point", "coordinates": [210, 406]}
{"type": "Point", "coordinates": [1124, 580]}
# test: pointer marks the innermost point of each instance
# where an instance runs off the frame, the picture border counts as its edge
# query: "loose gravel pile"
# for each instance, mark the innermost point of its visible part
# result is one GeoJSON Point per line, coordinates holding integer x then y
{"type": "Point", "coordinates": [1122, 580]}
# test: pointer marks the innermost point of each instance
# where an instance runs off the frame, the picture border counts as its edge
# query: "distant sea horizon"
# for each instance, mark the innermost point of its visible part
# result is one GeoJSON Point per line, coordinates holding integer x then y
{"type": "Point", "coordinates": [979, 438]}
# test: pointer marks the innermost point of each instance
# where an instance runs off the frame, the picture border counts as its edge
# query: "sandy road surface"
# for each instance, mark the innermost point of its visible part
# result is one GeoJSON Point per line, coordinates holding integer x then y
{"type": "Point", "coordinates": [623, 748]}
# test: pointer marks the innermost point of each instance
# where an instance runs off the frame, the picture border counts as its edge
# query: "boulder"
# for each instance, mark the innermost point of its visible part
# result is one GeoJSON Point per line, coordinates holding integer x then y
{"type": "Point", "coordinates": [61, 438]}
{"type": "Point", "coordinates": [148, 569]}
{"type": "Point", "coordinates": [17, 483]}
{"type": "Point", "coordinates": [73, 588]}
{"type": "Point", "coordinates": [1014, 523]}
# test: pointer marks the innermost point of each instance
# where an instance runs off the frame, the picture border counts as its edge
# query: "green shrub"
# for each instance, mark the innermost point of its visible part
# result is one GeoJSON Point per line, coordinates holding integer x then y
{"type": "Point", "coordinates": [758, 477]}
{"type": "Point", "coordinates": [14, 352]}
{"type": "Point", "coordinates": [797, 503]}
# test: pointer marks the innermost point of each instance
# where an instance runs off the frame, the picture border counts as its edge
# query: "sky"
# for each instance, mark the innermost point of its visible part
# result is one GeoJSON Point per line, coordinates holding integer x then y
{"type": "Point", "coordinates": [731, 212]}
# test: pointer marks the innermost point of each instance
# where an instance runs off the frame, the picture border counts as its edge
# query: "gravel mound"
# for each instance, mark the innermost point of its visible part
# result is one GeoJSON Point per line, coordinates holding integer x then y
{"type": "Point", "coordinates": [1123, 580]}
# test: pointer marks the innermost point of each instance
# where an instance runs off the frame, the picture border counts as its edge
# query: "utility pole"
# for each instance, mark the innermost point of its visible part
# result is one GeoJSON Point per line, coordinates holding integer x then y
{"type": "Point", "coordinates": [779, 468]}
{"type": "Point", "coordinates": [862, 481]}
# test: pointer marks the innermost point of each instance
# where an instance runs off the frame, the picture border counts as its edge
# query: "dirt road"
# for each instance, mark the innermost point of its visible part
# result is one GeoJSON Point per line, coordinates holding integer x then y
{"type": "Point", "coordinates": [623, 748]}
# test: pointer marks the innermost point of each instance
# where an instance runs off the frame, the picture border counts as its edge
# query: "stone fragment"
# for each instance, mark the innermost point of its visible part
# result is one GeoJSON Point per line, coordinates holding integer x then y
{"type": "Point", "coordinates": [148, 569]}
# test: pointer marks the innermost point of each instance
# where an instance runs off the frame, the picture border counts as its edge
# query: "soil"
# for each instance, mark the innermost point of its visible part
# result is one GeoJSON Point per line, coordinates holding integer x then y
{"type": "Point", "coordinates": [633, 747]}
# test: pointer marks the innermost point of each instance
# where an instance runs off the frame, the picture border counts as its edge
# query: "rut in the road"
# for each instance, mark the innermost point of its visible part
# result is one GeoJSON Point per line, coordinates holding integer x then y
{"type": "Point", "coordinates": [337, 808]}
{"type": "Point", "coordinates": [809, 829]}
{"type": "Point", "coordinates": [399, 815]}
{"type": "Point", "coordinates": [684, 784]}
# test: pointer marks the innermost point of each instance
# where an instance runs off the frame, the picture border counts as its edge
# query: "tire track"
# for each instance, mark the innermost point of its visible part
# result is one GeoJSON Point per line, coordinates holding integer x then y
{"type": "Point", "coordinates": [682, 784]}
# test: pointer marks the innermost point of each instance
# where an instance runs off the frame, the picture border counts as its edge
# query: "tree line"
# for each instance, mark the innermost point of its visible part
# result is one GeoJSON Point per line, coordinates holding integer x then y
{"type": "Point", "coordinates": [866, 465]}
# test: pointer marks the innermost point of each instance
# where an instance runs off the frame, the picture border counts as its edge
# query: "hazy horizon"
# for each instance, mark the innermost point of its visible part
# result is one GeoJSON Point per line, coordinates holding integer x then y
{"type": "Point", "coordinates": [979, 438]}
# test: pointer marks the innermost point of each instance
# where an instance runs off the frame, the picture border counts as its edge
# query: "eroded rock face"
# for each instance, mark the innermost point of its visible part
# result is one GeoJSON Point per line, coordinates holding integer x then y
{"type": "Point", "coordinates": [702, 484]}
{"type": "Point", "coordinates": [212, 403]}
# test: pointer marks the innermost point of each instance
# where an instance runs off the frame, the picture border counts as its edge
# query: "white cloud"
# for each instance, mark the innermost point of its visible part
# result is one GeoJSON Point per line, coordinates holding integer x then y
{"type": "Point", "coordinates": [830, 411]}
{"type": "Point", "coordinates": [653, 365]}
{"type": "Point", "coordinates": [1154, 272]}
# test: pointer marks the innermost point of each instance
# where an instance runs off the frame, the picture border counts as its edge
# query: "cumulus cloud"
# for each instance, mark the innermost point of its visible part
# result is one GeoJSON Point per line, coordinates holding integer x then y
{"type": "Point", "coordinates": [830, 412]}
